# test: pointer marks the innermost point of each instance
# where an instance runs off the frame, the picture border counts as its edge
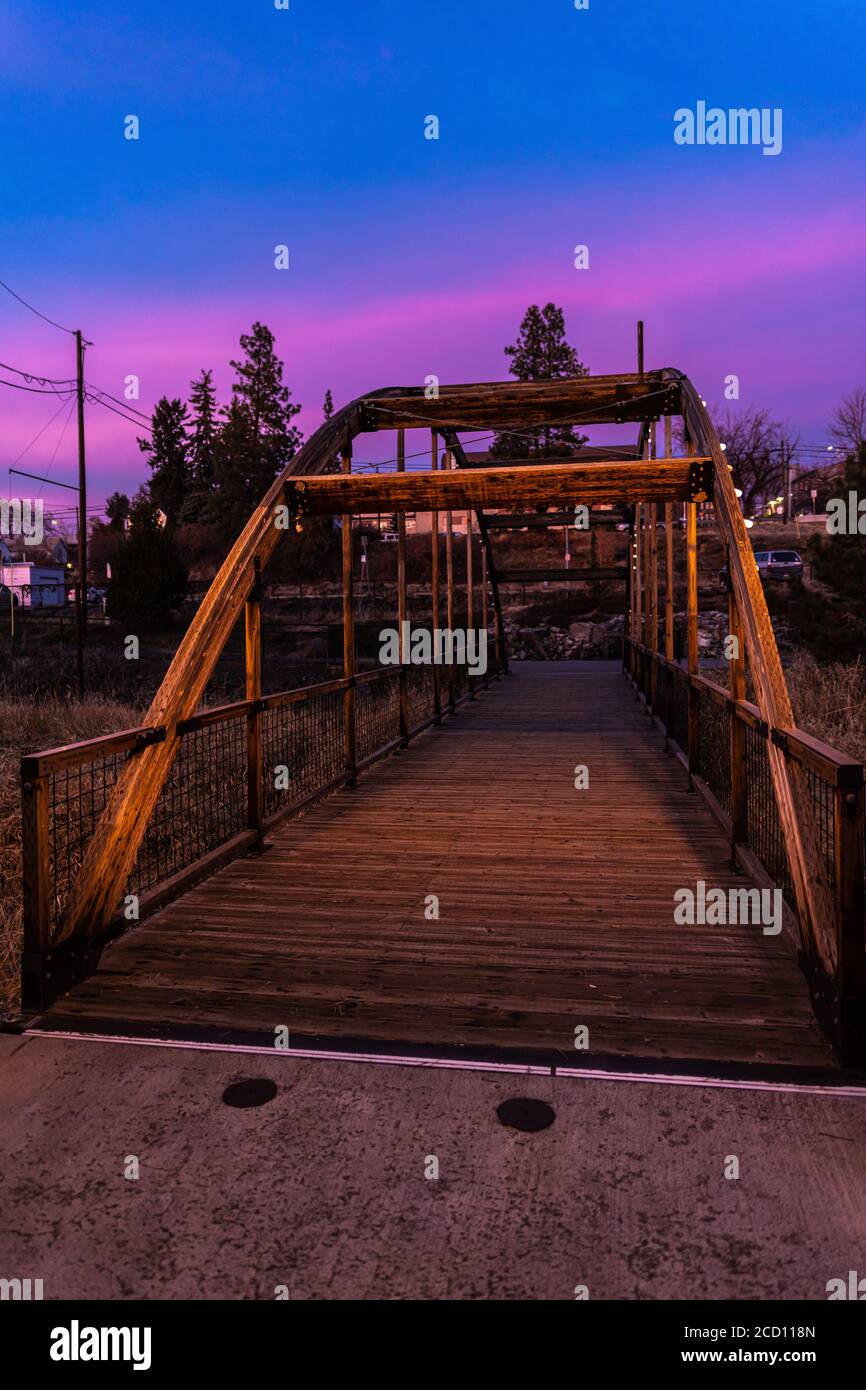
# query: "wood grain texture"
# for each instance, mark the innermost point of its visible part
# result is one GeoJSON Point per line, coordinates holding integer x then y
{"type": "Point", "coordinates": [815, 907]}
{"type": "Point", "coordinates": [661, 480]}
{"type": "Point", "coordinates": [555, 905]}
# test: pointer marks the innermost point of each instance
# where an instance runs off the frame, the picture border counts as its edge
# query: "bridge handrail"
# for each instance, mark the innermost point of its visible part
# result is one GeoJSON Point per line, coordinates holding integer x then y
{"type": "Point", "coordinates": [190, 835]}
{"type": "Point", "coordinates": [834, 785]}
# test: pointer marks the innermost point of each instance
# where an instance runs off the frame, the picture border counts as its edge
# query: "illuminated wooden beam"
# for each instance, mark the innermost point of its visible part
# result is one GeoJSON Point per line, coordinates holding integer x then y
{"type": "Point", "coordinates": [655, 480]}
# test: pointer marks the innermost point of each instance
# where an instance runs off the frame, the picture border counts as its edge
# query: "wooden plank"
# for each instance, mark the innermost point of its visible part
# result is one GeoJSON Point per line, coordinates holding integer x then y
{"type": "Point", "coordinates": [604, 573]}
{"type": "Point", "coordinates": [36, 849]}
{"type": "Point", "coordinates": [815, 908]}
{"type": "Point", "coordinates": [349, 724]}
{"type": "Point", "coordinates": [692, 631]}
{"type": "Point", "coordinates": [737, 729]}
{"type": "Point", "coordinates": [434, 580]}
{"type": "Point", "coordinates": [552, 913]}
{"type": "Point", "coordinates": [401, 593]}
{"type": "Point", "coordinates": [661, 480]}
{"type": "Point", "coordinates": [581, 400]}
{"type": "Point", "coordinates": [458, 453]}
{"type": "Point", "coordinates": [538, 521]}
{"type": "Point", "coordinates": [253, 691]}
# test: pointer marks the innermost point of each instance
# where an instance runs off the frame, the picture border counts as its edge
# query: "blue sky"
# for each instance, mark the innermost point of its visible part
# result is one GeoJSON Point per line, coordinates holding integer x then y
{"type": "Point", "coordinates": [411, 256]}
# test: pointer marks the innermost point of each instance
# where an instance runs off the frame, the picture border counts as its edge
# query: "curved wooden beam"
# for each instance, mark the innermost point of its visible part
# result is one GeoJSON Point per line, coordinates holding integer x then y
{"type": "Point", "coordinates": [811, 883]}
{"type": "Point", "coordinates": [122, 825]}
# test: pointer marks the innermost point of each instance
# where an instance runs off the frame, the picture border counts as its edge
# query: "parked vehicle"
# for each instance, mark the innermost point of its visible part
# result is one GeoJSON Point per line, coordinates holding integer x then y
{"type": "Point", "coordinates": [772, 564]}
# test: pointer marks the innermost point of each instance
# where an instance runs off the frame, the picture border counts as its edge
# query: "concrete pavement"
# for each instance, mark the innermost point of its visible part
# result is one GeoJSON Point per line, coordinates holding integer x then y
{"type": "Point", "coordinates": [323, 1190]}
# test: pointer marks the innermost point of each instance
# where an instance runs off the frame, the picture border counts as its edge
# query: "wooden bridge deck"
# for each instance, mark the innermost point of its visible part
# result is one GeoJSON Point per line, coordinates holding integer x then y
{"type": "Point", "coordinates": [555, 905]}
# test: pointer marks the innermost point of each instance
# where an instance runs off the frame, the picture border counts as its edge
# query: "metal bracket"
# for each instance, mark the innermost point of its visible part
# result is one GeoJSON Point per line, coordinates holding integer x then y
{"type": "Point", "coordinates": [701, 481]}
{"type": "Point", "coordinates": [148, 737]}
{"type": "Point", "coordinates": [297, 503]}
{"type": "Point", "coordinates": [368, 418]}
{"type": "Point", "coordinates": [780, 739]}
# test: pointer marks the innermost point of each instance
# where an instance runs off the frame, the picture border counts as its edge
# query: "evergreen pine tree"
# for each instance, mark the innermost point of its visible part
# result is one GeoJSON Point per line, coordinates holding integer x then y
{"type": "Point", "coordinates": [541, 353]}
{"type": "Point", "coordinates": [167, 457]}
{"type": "Point", "coordinates": [148, 579]}
{"type": "Point", "coordinates": [202, 435]}
{"type": "Point", "coordinates": [257, 439]}
{"type": "Point", "coordinates": [117, 510]}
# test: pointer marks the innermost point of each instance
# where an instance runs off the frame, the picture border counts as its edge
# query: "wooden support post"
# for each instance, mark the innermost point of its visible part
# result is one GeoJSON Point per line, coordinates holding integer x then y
{"type": "Point", "coordinates": [470, 595]}
{"type": "Point", "coordinates": [253, 655]}
{"type": "Point", "coordinates": [692, 625]}
{"type": "Point", "coordinates": [35, 794]}
{"type": "Point", "coordinates": [449, 588]}
{"type": "Point", "coordinates": [638, 573]}
{"type": "Point", "coordinates": [850, 944]}
{"type": "Point", "coordinates": [669, 560]}
{"type": "Point", "coordinates": [434, 583]}
{"type": "Point", "coordinates": [739, 790]}
{"type": "Point", "coordinates": [350, 733]}
{"type": "Point", "coordinates": [401, 596]}
{"type": "Point", "coordinates": [499, 639]}
{"type": "Point", "coordinates": [485, 608]}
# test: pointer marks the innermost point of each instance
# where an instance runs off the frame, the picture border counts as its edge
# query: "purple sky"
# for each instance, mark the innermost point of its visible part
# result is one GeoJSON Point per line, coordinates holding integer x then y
{"type": "Point", "coordinates": [409, 257]}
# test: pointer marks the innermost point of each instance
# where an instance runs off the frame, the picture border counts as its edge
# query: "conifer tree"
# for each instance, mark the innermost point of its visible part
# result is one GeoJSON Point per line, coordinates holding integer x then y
{"type": "Point", "coordinates": [167, 448]}
{"type": "Point", "coordinates": [541, 353]}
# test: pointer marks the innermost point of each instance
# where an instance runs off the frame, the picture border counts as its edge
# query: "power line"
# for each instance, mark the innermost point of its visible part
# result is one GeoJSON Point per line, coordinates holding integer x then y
{"type": "Point", "coordinates": [97, 400]}
{"type": "Point", "coordinates": [36, 390]}
{"type": "Point", "coordinates": [34, 376]}
{"type": "Point", "coordinates": [60, 440]}
{"type": "Point", "coordinates": [38, 314]}
{"type": "Point", "coordinates": [39, 434]}
{"type": "Point", "coordinates": [116, 399]}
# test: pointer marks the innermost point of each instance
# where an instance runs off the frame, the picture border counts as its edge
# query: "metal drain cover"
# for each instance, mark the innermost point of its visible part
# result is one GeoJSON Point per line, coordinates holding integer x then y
{"type": "Point", "coordinates": [245, 1094]}
{"type": "Point", "coordinates": [526, 1114]}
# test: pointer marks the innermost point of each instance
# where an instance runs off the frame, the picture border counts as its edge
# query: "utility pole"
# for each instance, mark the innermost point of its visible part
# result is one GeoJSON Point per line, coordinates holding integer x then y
{"type": "Point", "coordinates": [81, 595]}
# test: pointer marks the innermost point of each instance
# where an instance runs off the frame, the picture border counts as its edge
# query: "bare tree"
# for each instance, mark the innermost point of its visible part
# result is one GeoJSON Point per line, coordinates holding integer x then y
{"type": "Point", "coordinates": [848, 421]}
{"type": "Point", "coordinates": [758, 449]}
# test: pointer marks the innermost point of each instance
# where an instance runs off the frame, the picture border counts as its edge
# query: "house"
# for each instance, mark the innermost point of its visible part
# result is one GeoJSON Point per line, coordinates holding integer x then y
{"type": "Point", "coordinates": [35, 585]}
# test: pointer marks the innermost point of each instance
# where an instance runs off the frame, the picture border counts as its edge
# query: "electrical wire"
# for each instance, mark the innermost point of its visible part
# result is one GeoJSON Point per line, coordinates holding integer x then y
{"type": "Point", "coordinates": [9, 290]}
{"type": "Point", "coordinates": [116, 399]}
{"type": "Point", "coordinates": [139, 424]}
{"type": "Point", "coordinates": [39, 434]}
{"type": "Point", "coordinates": [36, 390]}
{"type": "Point", "coordinates": [34, 376]}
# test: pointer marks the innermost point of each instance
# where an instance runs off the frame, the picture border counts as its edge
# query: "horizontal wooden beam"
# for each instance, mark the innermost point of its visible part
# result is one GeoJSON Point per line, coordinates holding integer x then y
{"type": "Point", "coordinates": [612, 455]}
{"type": "Point", "coordinates": [653, 480]}
{"type": "Point", "coordinates": [569, 576]}
{"type": "Point", "coordinates": [581, 400]}
{"type": "Point", "coordinates": [518, 521]}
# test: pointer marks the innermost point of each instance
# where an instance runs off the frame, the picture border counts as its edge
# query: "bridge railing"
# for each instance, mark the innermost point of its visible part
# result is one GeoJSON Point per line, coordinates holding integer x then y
{"type": "Point", "coordinates": [727, 757]}
{"type": "Point", "coordinates": [240, 770]}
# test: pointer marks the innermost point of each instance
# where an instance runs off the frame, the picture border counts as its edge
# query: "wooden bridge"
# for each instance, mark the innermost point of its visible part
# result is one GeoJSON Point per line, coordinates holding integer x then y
{"type": "Point", "coordinates": [419, 858]}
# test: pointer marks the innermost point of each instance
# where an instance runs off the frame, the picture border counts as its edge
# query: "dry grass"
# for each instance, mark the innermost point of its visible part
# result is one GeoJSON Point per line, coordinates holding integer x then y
{"type": "Point", "coordinates": [830, 702]}
{"type": "Point", "coordinates": [27, 726]}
